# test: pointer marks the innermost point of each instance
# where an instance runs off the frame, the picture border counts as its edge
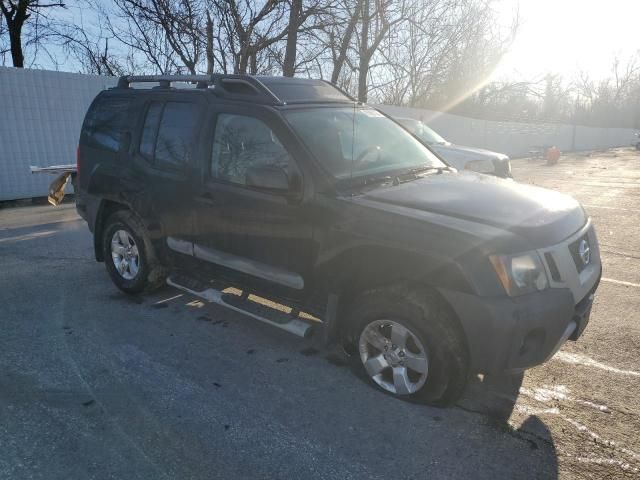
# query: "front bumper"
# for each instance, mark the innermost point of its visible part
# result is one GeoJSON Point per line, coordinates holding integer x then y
{"type": "Point", "coordinates": [512, 334]}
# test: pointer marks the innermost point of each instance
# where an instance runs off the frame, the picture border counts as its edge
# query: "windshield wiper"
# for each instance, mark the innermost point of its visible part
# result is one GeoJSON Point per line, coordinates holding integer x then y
{"type": "Point", "coordinates": [394, 178]}
{"type": "Point", "coordinates": [366, 181]}
{"type": "Point", "coordinates": [422, 169]}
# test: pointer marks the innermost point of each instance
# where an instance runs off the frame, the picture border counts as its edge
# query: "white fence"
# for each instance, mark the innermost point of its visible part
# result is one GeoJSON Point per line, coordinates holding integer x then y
{"type": "Point", "coordinates": [41, 113]}
{"type": "Point", "coordinates": [513, 138]}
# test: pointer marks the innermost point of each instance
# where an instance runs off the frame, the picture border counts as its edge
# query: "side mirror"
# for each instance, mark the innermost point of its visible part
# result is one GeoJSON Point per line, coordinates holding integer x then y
{"type": "Point", "coordinates": [267, 177]}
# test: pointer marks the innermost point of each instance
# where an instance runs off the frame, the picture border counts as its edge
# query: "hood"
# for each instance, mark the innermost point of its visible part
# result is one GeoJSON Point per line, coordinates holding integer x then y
{"type": "Point", "coordinates": [458, 155]}
{"type": "Point", "coordinates": [544, 217]}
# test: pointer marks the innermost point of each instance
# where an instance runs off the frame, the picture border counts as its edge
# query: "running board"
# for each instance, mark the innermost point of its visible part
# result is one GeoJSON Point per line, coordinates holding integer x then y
{"type": "Point", "coordinates": [243, 305]}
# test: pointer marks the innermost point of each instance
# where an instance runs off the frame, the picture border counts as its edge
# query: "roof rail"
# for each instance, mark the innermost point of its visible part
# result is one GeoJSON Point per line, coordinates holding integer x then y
{"type": "Point", "coordinates": [163, 80]}
{"type": "Point", "coordinates": [220, 83]}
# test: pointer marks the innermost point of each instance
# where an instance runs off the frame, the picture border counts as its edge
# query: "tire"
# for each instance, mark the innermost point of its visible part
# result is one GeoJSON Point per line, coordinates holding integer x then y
{"type": "Point", "coordinates": [125, 236]}
{"type": "Point", "coordinates": [432, 335]}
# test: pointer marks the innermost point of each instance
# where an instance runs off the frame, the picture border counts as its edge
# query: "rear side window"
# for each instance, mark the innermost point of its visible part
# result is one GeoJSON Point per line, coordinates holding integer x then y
{"type": "Point", "coordinates": [106, 122]}
{"type": "Point", "coordinates": [150, 130]}
{"type": "Point", "coordinates": [167, 135]}
{"type": "Point", "coordinates": [175, 135]}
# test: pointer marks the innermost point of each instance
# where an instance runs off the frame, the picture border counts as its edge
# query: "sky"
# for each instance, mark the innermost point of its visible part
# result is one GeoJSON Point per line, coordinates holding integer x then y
{"type": "Point", "coordinates": [555, 36]}
{"type": "Point", "coordinates": [568, 36]}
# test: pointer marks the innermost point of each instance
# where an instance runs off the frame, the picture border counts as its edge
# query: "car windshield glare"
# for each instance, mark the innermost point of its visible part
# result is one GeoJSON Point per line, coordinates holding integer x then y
{"type": "Point", "coordinates": [359, 142]}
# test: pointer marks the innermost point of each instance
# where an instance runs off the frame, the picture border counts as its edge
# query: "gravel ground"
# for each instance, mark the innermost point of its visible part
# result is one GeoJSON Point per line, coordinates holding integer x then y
{"type": "Point", "coordinates": [95, 384]}
{"type": "Point", "coordinates": [589, 394]}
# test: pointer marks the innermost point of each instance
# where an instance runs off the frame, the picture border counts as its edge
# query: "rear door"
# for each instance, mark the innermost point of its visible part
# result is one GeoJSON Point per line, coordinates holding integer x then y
{"type": "Point", "coordinates": [166, 155]}
{"type": "Point", "coordinates": [264, 236]}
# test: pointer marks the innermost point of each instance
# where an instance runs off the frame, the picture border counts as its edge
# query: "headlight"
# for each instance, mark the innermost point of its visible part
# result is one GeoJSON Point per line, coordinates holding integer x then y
{"type": "Point", "coordinates": [481, 166]}
{"type": "Point", "coordinates": [520, 274]}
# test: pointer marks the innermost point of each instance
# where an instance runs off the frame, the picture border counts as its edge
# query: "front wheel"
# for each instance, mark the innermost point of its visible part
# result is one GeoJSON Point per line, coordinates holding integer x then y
{"type": "Point", "coordinates": [129, 256]}
{"type": "Point", "coordinates": [408, 345]}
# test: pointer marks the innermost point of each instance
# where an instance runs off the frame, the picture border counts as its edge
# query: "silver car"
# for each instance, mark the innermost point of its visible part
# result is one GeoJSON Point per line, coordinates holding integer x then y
{"type": "Point", "coordinates": [458, 156]}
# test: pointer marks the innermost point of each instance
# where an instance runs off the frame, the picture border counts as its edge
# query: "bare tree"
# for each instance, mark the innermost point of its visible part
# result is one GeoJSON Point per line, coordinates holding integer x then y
{"type": "Point", "coordinates": [376, 20]}
{"type": "Point", "coordinates": [251, 29]}
{"type": "Point", "coordinates": [4, 46]}
{"type": "Point", "coordinates": [426, 53]}
{"type": "Point", "coordinates": [295, 16]}
{"type": "Point", "coordinates": [170, 34]}
{"type": "Point", "coordinates": [305, 18]}
{"type": "Point", "coordinates": [210, 52]}
{"type": "Point", "coordinates": [90, 48]}
{"type": "Point", "coordinates": [610, 101]}
{"type": "Point", "coordinates": [16, 14]}
{"type": "Point", "coordinates": [340, 34]}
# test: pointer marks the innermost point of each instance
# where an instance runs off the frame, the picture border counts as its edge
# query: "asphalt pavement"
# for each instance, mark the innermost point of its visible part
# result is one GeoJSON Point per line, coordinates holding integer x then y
{"type": "Point", "coordinates": [95, 384]}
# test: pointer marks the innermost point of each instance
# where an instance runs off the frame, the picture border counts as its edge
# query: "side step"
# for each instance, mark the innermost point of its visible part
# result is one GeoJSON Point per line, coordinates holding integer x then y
{"type": "Point", "coordinates": [242, 304]}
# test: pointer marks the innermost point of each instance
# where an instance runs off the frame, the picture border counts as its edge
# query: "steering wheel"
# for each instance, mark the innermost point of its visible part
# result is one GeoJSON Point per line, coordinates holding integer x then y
{"type": "Point", "coordinates": [367, 151]}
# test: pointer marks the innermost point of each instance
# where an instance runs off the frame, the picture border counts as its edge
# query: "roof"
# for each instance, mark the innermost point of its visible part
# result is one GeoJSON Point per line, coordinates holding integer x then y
{"type": "Point", "coordinates": [257, 89]}
{"type": "Point", "coordinates": [304, 90]}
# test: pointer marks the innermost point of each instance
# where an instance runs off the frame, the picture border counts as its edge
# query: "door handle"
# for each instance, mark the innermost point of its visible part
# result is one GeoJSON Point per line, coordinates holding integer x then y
{"type": "Point", "coordinates": [206, 198]}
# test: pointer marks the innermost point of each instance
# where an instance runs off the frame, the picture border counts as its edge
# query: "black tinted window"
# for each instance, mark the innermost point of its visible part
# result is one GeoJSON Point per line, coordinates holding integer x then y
{"type": "Point", "coordinates": [242, 142]}
{"type": "Point", "coordinates": [150, 129]}
{"type": "Point", "coordinates": [106, 122]}
{"type": "Point", "coordinates": [175, 135]}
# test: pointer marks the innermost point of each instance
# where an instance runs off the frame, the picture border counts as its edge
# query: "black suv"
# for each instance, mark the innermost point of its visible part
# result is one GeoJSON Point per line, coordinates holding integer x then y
{"type": "Point", "coordinates": [323, 213]}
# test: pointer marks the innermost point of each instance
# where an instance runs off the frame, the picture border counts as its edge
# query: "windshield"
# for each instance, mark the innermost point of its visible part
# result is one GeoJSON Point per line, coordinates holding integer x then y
{"type": "Point", "coordinates": [423, 132]}
{"type": "Point", "coordinates": [358, 142]}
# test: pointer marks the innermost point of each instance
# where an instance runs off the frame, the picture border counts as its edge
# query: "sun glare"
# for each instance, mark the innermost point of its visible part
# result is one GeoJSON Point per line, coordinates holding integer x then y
{"type": "Point", "coordinates": [570, 36]}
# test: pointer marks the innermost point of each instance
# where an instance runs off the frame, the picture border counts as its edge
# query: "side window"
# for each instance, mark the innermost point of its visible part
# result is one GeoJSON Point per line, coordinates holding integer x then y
{"type": "Point", "coordinates": [106, 122]}
{"type": "Point", "coordinates": [150, 129]}
{"type": "Point", "coordinates": [167, 134]}
{"type": "Point", "coordinates": [175, 135]}
{"type": "Point", "coordinates": [242, 142]}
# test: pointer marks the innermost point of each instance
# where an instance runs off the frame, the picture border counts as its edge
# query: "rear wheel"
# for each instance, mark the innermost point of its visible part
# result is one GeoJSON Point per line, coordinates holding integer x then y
{"type": "Point", "coordinates": [408, 345]}
{"type": "Point", "coordinates": [129, 255]}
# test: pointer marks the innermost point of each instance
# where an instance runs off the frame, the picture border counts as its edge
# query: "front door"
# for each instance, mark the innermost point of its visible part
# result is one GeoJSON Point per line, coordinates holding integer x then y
{"type": "Point", "coordinates": [258, 233]}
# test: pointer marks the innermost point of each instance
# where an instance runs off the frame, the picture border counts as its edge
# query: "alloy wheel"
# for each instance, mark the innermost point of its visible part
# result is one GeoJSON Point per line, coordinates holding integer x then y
{"type": "Point", "coordinates": [124, 253]}
{"type": "Point", "coordinates": [394, 357]}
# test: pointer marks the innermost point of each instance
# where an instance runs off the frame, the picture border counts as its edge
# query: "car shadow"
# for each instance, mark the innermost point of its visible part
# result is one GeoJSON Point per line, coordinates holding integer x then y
{"type": "Point", "coordinates": [495, 397]}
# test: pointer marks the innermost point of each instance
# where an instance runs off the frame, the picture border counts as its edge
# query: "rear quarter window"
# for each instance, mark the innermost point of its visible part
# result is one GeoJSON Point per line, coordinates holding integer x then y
{"type": "Point", "coordinates": [168, 133]}
{"type": "Point", "coordinates": [105, 123]}
{"type": "Point", "coordinates": [175, 134]}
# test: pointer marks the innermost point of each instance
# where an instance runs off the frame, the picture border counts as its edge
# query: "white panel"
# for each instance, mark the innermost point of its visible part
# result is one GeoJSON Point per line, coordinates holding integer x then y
{"type": "Point", "coordinates": [514, 138]}
{"type": "Point", "coordinates": [41, 113]}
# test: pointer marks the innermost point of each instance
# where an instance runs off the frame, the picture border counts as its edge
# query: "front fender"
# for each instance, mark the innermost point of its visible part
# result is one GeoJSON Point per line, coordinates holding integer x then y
{"type": "Point", "coordinates": [363, 267]}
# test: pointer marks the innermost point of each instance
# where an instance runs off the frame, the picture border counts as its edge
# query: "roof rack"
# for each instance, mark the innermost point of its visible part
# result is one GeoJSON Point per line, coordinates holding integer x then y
{"type": "Point", "coordinates": [222, 84]}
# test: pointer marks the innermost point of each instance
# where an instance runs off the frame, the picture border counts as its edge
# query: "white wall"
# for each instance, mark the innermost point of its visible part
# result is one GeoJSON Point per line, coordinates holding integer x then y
{"type": "Point", "coordinates": [41, 113]}
{"type": "Point", "coordinates": [513, 138]}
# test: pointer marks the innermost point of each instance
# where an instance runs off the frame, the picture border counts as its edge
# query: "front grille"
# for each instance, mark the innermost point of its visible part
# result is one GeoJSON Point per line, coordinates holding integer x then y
{"type": "Point", "coordinates": [574, 249]}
